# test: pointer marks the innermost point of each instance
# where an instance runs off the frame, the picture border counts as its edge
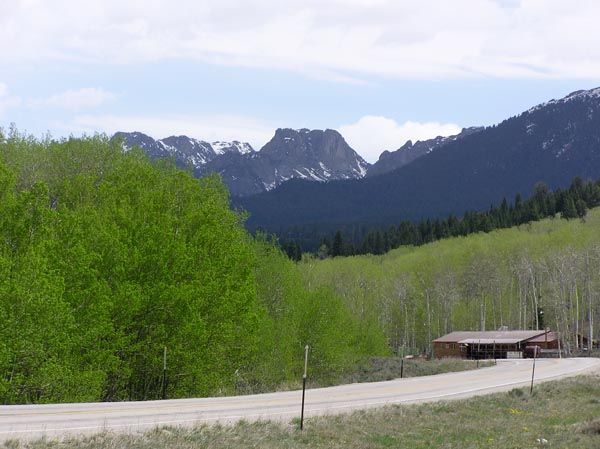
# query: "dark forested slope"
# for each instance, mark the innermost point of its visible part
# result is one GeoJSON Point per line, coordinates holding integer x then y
{"type": "Point", "coordinates": [552, 143]}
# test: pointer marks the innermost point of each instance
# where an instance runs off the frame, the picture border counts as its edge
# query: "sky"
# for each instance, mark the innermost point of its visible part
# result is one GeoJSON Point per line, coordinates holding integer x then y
{"type": "Point", "coordinates": [379, 71]}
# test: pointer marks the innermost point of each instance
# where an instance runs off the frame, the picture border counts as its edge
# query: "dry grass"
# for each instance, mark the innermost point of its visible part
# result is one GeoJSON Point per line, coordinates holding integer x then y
{"type": "Point", "coordinates": [387, 368]}
{"type": "Point", "coordinates": [376, 369]}
{"type": "Point", "coordinates": [564, 414]}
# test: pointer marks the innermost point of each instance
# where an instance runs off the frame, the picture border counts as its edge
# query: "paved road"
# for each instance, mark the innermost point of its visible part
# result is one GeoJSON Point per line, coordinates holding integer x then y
{"type": "Point", "coordinates": [34, 421]}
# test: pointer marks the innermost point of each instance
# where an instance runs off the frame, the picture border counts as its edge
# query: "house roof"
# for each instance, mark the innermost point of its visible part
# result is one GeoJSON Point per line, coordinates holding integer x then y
{"type": "Point", "coordinates": [542, 338]}
{"type": "Point", "coordinates": [490, 341]}
{"type": "Point", "coordinates": [491, 336]}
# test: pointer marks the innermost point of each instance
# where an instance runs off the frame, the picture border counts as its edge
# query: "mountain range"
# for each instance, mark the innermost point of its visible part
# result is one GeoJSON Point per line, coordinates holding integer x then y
{"type": "Point", "coordinates": [551, 143]}
{"type": "Point", "coordinates": [313, 155]}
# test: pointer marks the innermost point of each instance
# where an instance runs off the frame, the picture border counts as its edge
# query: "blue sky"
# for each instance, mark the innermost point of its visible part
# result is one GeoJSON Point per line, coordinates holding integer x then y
{"type": "Point", "coordinates": [379, 71]}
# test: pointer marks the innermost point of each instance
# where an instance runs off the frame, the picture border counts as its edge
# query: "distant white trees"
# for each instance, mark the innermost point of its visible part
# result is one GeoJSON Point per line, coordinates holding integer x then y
{"type": "Point", "coordinates": [423, 296]}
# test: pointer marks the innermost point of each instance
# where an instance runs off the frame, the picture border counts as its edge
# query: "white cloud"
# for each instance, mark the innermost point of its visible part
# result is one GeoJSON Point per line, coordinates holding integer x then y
{"type": "Point", "coordinates": [85, 98]}
{"type": "Point", "coordinates": [7, 101]}
{"type": "Point", "coordinates": [209, 128]}
{"type": "Point", "coordinates": [345, 40]}
{"type": "Point", "coordinates": [371, 135]}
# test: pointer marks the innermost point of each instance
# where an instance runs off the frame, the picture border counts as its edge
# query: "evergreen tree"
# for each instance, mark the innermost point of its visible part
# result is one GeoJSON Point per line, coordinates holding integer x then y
{"type": "Point", "coordinates": [323, 251]}
{"type": "Point", "coordinates": [378, 247]}
{"type": "Point", "coordinates": [337, 248]}
{"type": "Point", "coordinates": [581, 208]}
{"type": "Point", "coordinates": [569, 210]}
{"type": "Point", "coordinates": [571, 203]}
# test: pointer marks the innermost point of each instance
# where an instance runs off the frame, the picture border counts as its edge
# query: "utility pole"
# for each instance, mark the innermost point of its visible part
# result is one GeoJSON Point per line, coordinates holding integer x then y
{"type": "Point", "coordinates": [304, 386]}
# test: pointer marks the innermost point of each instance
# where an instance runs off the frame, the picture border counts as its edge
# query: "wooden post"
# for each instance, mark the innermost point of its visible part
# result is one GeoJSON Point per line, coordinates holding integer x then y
{"type": "Point", "coordinates": [304, 386]}
{"type": "Point", "coordinates": [164, 379]}
{"type": "Point", "coordinates": [533, 369]}
{"type": "Point", "coordinates": [402, 368]}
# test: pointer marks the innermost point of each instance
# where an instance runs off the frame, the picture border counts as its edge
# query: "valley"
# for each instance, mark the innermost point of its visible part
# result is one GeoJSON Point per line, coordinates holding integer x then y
{"type": "Point", "coordinates": [328, 224]}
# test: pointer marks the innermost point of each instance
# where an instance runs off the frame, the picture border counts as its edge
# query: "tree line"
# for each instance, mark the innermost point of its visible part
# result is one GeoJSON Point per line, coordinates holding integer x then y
{"type": "Point", "coordinates": [545, 274]}
{"type": "Point", "coordinates": [571, 203]}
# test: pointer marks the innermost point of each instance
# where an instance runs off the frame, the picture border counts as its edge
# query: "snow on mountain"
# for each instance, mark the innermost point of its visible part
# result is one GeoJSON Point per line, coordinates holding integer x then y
{"type": "Point", "coordinates": [313, 155]}
{"type": "Point", "coordinates": [221, 147]}
{"type": "Point", "coordinates": [577, 95]}
{"type": "Point", "coordinates": [186, 150]}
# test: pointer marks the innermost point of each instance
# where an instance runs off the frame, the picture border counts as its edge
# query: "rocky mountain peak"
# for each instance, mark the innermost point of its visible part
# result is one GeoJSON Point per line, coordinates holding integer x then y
{"type": "Point", "coordinates": [141, 140]}
{"type": "Point", "coordinates": [407, 153]}
{"type": "Point", "coordinates": [315, 155]}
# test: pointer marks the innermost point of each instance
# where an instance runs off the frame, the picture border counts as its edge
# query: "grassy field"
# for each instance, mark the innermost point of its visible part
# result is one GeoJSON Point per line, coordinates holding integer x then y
{"type": "Point", "coordinates": [562, 414]}
{"type": "Point", "coordinates": [377, 369]}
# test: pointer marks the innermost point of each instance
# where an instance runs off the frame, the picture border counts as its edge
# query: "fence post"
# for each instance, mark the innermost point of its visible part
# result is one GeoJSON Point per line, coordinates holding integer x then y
{"type": "Point", "coordinates": [533, 369]}
{"type": "Point", "coordinates": [304, 386]}
{"type": "Point", "coordinates": [164, 379]}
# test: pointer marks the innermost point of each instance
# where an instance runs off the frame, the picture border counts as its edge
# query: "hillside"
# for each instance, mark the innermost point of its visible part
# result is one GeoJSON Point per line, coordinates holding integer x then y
{"type": "Point", "coordinates": [552, 143]}
{"type": "Point", "coordinates": [482, 281]}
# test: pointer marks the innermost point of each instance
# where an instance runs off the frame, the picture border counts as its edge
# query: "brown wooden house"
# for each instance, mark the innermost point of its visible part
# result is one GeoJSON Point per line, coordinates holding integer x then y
{"type": "Point", "coordinates": [495, 344]}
